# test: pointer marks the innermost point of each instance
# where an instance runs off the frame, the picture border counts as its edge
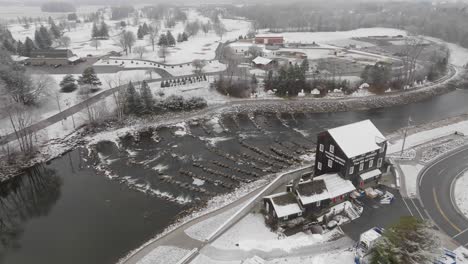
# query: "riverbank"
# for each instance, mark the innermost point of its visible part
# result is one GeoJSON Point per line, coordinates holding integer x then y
{"type": "Point", "coordinates": [112, 131]}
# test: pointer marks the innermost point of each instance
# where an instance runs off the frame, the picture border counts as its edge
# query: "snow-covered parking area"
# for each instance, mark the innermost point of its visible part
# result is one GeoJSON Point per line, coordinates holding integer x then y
{"type": "Point", "coordinates": [460, 193]}
{"type": "Point", "coordinates": [251, 233]}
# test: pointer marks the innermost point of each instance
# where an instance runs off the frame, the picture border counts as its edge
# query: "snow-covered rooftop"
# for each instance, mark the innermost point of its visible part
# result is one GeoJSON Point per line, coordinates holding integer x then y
{"type": "Point", "coordinates": [357, 138]}
{"type": "Point", "coordinates": [261, 61]}
{"type": "Point", "coordinates": [254, 260]}
{"type": "Point", "coordinates": [284, 204]}
{"type": "Point", "coordinates": [370, 235]}
{"type": "Point", "coordinates": [73, 58]}
{"type": "Point", "coordinates": [370, 174]}
{"type": "Point", "coordinates": [335, 186]}
{"type": "Point", "coordinates": [18, 58]}
{"type": "Point", "coordinates": [269, 36]}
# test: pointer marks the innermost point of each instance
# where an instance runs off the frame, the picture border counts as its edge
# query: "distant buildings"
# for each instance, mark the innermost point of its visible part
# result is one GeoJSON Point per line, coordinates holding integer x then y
{"type": "Point", "coordinates": [269, 39]}
{"type": "Point", "coordinates": [349, 157]}
{"type": "Point", "coordinates": [53, 57]}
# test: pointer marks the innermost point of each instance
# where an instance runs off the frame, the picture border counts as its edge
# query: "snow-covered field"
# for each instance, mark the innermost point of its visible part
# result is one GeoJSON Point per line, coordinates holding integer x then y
{"type": "Point", "coordinates": [411, 173]}
{"type": "Point", "coordinates": [164, 255]}
{"type": "Point", "coordinates": [199, 89]}
{"type": "Point", "coordinates": [460, 193]}
{"type": "Point", "coordinates": [176, 70]}
{"type": "Point", "coordinates": [339, 37]}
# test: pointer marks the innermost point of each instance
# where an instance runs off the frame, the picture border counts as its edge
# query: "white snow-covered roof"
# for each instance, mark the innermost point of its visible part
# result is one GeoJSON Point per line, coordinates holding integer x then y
{"type": "Point", "coordinates": [285, 207]}
{"type": "Point", "coordinates": [370, 174]}
{"type": "Point", "coordinates": [17, 58]}
{"type": "Point", "coordinates": [315, 91]}
{"type": "Point", "coordinates": [369, 236]}
{"type": "Point", "coordinates": [73, 58]}
{"type": "Point", "coordinates": [357, 138]}
{"type": "Point", "coordinates": [335, 186]}
{"type": "Point", "coordinates": [269, 36]}
{"type": "Point", "coordinates": [261, 61]}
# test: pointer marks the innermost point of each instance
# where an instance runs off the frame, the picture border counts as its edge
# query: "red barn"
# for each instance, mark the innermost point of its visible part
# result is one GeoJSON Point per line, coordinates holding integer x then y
{"type": "Point", "coordinates": [269, 39]}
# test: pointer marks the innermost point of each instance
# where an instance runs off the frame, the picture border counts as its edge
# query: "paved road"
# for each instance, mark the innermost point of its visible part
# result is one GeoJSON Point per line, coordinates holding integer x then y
{"type": "Point", "coordinates": [435, 191]}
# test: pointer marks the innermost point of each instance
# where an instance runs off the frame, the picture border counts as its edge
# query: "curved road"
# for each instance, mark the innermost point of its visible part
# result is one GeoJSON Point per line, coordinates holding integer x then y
{"type": "Point", "coordinates": [435, 192]}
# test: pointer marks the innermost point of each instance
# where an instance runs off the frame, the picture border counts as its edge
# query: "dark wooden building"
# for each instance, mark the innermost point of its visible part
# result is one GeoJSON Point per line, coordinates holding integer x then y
{"type": "Point", "coordinates": [53, 57]}
{"type": "Point", "coordinates": [355, 151]}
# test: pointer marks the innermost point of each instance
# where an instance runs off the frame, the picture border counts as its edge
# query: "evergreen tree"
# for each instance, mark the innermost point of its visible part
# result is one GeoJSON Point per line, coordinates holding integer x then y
{"type": "Point", "coordinates": [132, 104]}
{"type": "Point", "coordinates": [104, 30]}
{"type": "Point", "coordinates": [28, 47]}
{"type": "Point", "coordinates": [140, 33]}
{"type": "Point", "coordinates": [68, 84]}
{"type": "Point", "coordinates": [184, 36]}
{"type": "Point", "coordinates": [410, 241]}
{"type": "Point", "coordinates": [170, 39]}
{"type": "Point", "coordinates": [145, 29]}
{"type": "Point", "coordinates": [305, 65]}
{"type": "Point", "coordinates": [89, 77]}
{"type": "Point", "coordinates": [38, 39]}
{"type": "Point", "coordinates": [146, 97]}
{"type": "Point", "coordinates": [8, 45]}
{"type": "Point", "coordinates": [95, 31]}
{"type": "Point", "coordinates": [163, 40]}
{"type": "Point", "coordinates": [55, 30]}
{"type": "Point", "coordinates": [20, 48]}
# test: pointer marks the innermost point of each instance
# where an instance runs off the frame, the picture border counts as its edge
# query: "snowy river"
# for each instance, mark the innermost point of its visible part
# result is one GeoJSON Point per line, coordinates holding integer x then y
{"type": "Point", "coordinates": [65, 212]}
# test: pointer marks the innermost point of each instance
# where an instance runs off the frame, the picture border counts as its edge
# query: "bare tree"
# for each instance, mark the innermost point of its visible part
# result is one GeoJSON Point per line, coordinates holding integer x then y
{"type": "Point", "coordinates": [95, 43]}
{"type": "Point", "coordinates": [163, 52]}
{"type": "Point", "coordinates": [220, 29]}
{"type": "Point", "coordinates": [64, 41]}
{"type": "Point", "coordinates": [140, 50]}
{"type": "Point", "coordinates": [126, 40]}
{"type": "Point", "coordinates": [198, 66]}
{"type": "Point", "coordinates": [411, 51]}
{"type": "Point", "coordinates": [153, 35]}
{"type": "Point", "coordinates": [21, 118]}
{"type": "Point", "coordinates": [118, 94]}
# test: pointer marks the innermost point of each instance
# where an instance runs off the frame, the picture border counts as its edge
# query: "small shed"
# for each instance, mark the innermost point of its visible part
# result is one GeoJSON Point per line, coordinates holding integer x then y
{"type": "Point", "coordinates": [282, 206]}
{"type": "Point", "coordinates": [262, 63]}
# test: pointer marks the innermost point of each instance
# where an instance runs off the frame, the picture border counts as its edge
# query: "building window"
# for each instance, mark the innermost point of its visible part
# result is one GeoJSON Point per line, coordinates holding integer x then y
{"type": "Point", "coordinates": [285, 218]}
{"type": "Point", "coordinates": [332, 149]}
{"type": "Point", "coordinates": [321, 147]}
{"type": "Point", "coordinates": [318, 203]}
{"type": "Point", "coordinates": [333, 200]}
{"type": "Point", "coordinates": [371, 163]}
{"type": "Point", "coordinates": [379, 163]}
{"type": "Point", "coordinates": [319, 165]}
{"type": "Point", "coordinates": [351, 170]}
{"type": "Point", "coordinates": [361, 166]}
{"type": "Point", "coordinates": [330, 163]}
{"type": "Point", "coordinates": [267, 207]}
{"type": "Point", "coordinates": [299, 214]}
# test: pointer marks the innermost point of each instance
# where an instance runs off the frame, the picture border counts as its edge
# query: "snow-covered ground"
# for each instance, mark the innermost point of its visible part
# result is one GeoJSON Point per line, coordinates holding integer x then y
{"type": "Point", "coordinates": [176, 70]}
{"type": "Point", "coordinates": [251, 233]}
{"type": "Point", "coordinates": [428, 135]}
{"type": "Point", "coordinates": [460, 193]}
{"type": "Point", "coordinates": [339, 37]}
{"type": "Point", "coordinates": [411, 173]}
{"type": "Point", "coordinates": [202, 230]}
{"type": "Point", "coordinates": [164, 255]}
{"type": "Point", "coordinates": [199, 89]}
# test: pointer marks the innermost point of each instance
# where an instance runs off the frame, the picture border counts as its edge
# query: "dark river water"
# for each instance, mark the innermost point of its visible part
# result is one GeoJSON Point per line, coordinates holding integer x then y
{"type": "Point", "coordinates": [69, 212]}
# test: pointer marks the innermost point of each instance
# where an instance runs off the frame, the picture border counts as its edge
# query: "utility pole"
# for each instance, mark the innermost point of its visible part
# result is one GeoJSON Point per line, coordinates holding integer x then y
{"type": "Point", "coordinates": [405, 135]}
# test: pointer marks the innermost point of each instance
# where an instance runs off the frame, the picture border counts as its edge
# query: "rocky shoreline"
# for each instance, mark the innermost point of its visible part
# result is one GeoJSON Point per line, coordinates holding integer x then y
{"type": "Point", "coordinates": [55, 148]}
